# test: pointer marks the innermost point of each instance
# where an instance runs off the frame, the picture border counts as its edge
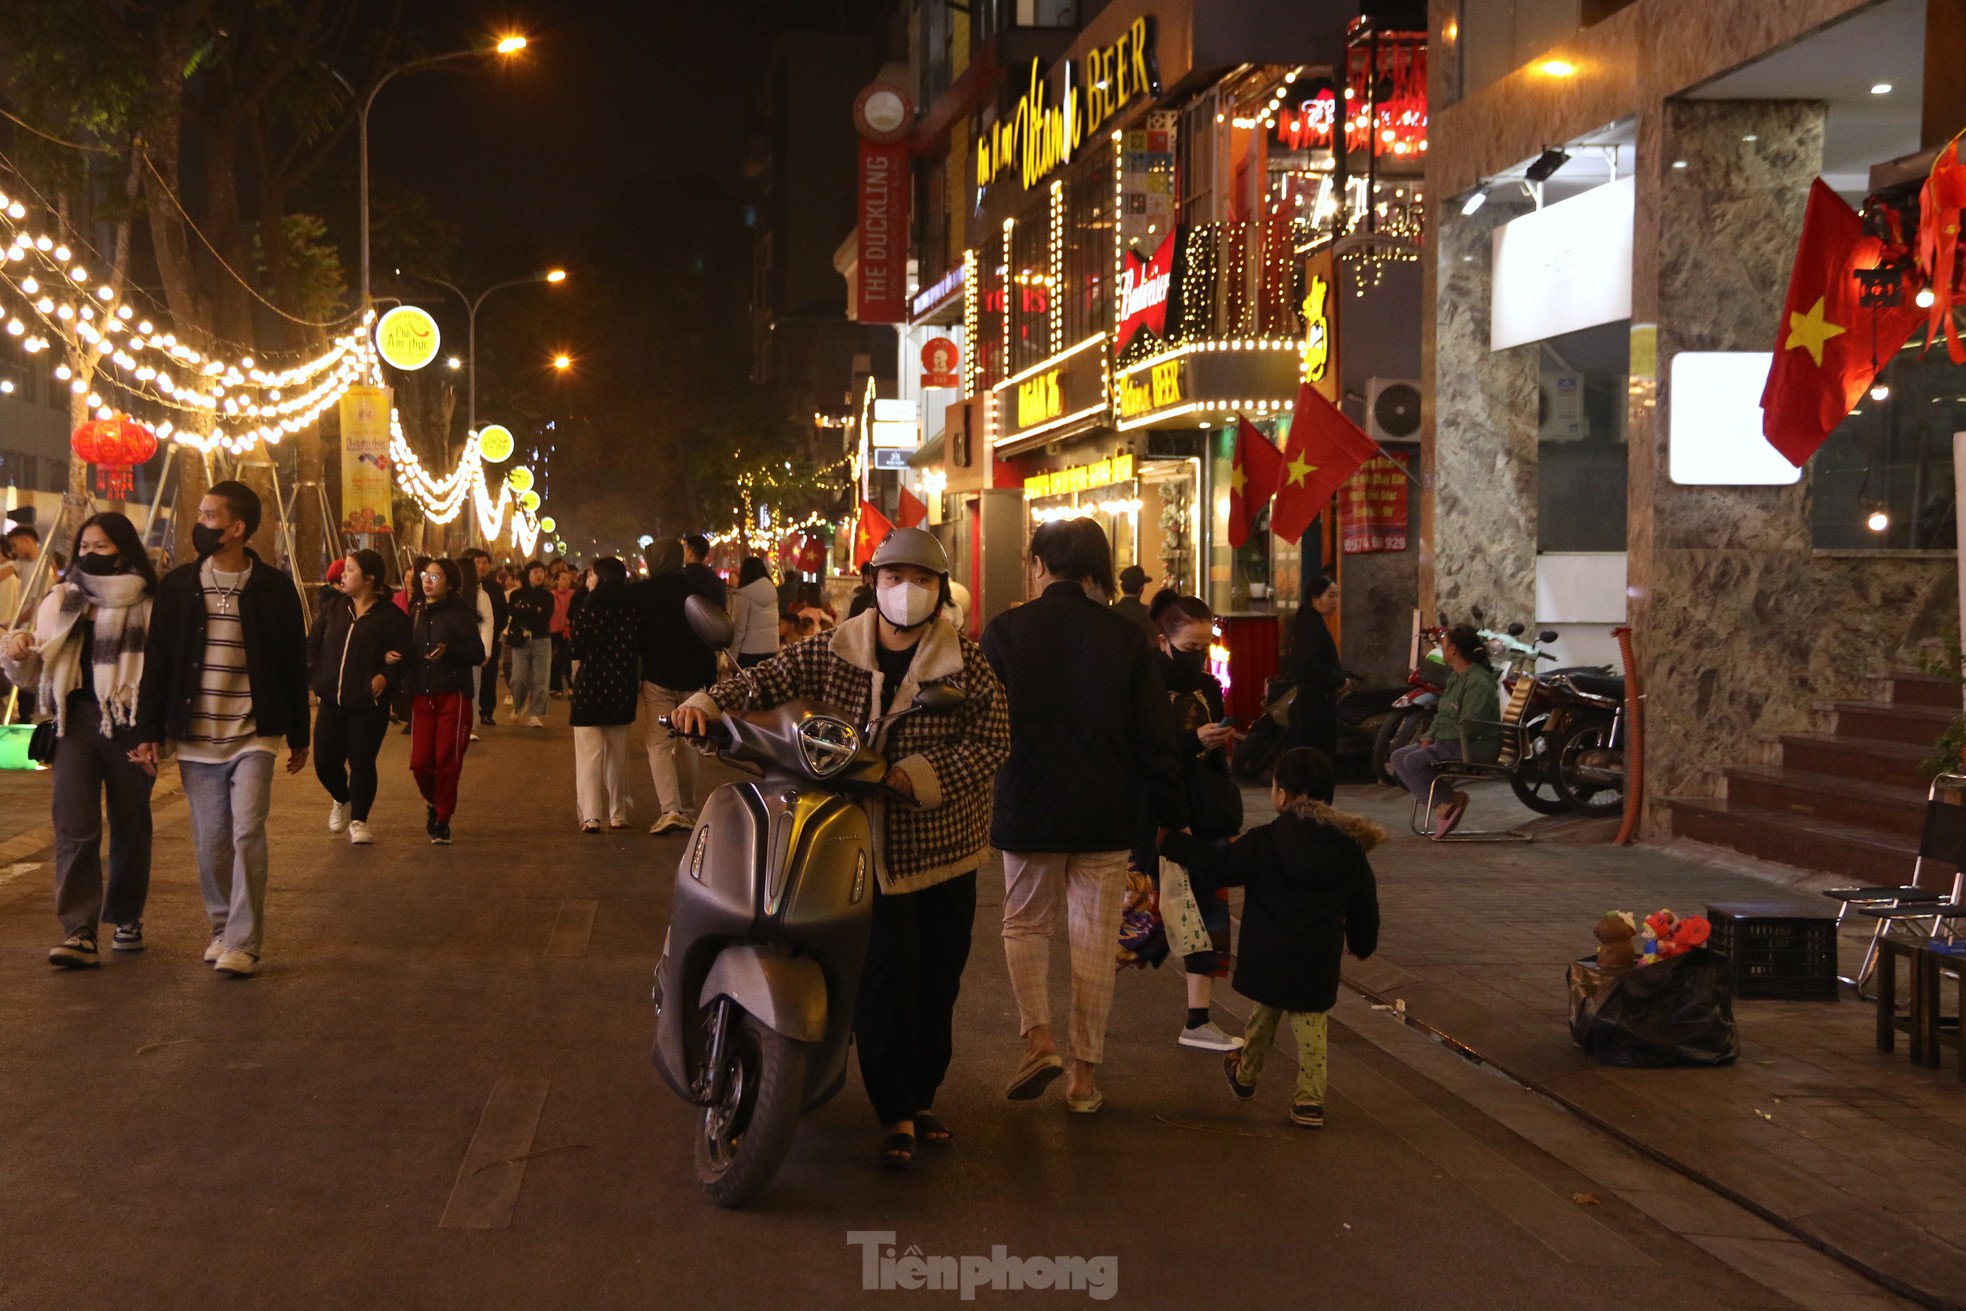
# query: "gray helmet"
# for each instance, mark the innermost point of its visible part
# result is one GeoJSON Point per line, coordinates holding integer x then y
{"type": "Point", "coordinates": [915, 546]}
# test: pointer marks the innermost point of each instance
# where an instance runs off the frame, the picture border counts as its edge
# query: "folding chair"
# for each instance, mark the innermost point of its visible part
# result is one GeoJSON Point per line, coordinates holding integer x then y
{"type": "Point", "coordinates": [1448, 771]}
{"type": "Point", "coordinates": [1941, 851]}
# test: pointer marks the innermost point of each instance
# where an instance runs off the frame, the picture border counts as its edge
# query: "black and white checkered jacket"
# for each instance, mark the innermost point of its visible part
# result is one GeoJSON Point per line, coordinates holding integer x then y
{"type": "Point", "coordinates": [951, 760]}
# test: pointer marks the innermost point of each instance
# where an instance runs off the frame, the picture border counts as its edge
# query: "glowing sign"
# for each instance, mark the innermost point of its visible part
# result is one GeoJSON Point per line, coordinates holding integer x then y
{"type": "Point", "coordinates": [1160, 386]}
{"type": "Point", "coordinates": [1039, 399]}
{"type": "Point", "coordinates": [520, 479]}
{"type": "Point", "coordinates": [529, 501]}
{"type": "Point", "coordinates": [407, 337]}
{"type": "Point", "coordinates": [1317, 322]}
{"type": "Point", "coordinates": [1144, 284]}
{"type": "Point", "coordinates": [495, 443]}
{"type": "Point", "coordinates": [1080, 477]}
{"type": "Point", "coordinates": [547, 524]}
{"type": "Point", "coordinates": [1039, 136]}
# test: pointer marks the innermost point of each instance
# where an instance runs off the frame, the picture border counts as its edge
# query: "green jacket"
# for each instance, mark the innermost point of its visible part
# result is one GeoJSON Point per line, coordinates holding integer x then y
{"type": "Point", "coordinates": [1472, 694]}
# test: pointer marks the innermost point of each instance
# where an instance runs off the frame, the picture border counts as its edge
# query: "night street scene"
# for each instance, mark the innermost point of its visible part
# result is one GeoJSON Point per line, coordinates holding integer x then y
{"type": "Point", "coordinates": [912, 653]}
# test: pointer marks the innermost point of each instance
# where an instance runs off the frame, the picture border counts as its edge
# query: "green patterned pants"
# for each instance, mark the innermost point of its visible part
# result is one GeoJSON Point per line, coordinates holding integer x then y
{"type": "Point", "coordinates": [1309, 1029]}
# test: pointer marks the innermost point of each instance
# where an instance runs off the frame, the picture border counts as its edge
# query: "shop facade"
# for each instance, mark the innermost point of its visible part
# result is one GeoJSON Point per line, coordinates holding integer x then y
{"type": "Point", "coordinates": [1618, 209]}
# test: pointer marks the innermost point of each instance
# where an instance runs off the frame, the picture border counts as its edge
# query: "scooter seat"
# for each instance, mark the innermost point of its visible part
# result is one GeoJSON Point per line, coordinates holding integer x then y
{"type": "Point", "coordinates": [1598, 685]}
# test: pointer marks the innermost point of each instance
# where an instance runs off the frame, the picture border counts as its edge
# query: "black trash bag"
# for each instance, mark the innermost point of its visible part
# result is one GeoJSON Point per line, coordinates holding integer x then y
{"type": "Point", "coordinates": [1678, 1011]}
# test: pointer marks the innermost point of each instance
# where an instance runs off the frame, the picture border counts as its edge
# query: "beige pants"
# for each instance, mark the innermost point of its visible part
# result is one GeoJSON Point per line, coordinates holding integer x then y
{"type": "Point", "coordinates": [671, 763]}
{"type": "Point", "coordinates": [1094, 885]}
{"type": "Point", "coordinates": [600, 773]}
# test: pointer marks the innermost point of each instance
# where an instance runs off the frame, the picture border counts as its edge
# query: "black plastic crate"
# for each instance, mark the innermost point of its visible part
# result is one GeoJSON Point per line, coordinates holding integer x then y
{"type": "Point", "coordinates": [1776, 949]}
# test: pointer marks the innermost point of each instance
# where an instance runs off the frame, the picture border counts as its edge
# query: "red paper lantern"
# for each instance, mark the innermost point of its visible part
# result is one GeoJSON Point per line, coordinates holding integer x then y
{"type": "Point", "coordinates": [114, 445]}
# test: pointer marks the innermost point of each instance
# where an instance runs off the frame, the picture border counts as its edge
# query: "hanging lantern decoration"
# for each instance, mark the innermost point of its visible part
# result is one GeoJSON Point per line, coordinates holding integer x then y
{"type": "Point", "coordinates": [115, 446]}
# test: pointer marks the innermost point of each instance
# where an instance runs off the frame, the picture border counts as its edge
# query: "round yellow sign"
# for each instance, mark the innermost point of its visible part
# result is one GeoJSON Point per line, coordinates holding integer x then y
{"type": "Point", "coordinates": [407, 337]}
{"type": "Point", "coordinates": [520, 479]}
{"type": "Point", "coordinates": [547, 525]}
{"type": "Point", "coordinates": [495, 443]}
{"type": "Point", "coordinates": [529, 501]}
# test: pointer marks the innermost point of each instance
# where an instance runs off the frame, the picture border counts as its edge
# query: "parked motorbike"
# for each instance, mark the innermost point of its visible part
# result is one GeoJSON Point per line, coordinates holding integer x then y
{"type": "Point", "coordinates": [755, 989]}
{"type": "Point", "coordinates": [1407, 719]}
{"type": "Point", "coordinates": [1586, 763]}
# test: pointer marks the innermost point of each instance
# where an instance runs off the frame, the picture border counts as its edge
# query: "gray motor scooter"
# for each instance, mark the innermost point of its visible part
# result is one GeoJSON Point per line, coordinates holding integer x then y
{"type": "Point", "coordinates": [768, 929]}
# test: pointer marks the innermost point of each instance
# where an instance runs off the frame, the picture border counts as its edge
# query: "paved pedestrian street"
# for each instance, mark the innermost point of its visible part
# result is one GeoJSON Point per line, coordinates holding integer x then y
{"type": "Point", "coordinates": [438, 1094]}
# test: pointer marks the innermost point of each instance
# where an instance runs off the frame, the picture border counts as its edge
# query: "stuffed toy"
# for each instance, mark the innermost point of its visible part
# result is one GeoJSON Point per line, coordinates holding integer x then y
{"type": "Point", "coordinates": [1614, 934]}
{"type": "Point", "coordinates": [1674, 936]}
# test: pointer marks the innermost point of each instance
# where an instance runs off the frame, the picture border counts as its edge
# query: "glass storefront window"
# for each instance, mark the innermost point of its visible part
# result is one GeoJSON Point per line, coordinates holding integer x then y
{"type": "Point", "coordinates": [1581, 448]}
{"type": "Point", "coordinates": [1894, 458]}
{"type": "Point", "coordinates": [1088, 253]}
{"type": "Point", "coordinates": [1030, 284]}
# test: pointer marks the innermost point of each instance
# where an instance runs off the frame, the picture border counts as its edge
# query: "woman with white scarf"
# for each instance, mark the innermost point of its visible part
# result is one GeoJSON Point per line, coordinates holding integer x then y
{"type": "Point", "coordinates": [85, 655]}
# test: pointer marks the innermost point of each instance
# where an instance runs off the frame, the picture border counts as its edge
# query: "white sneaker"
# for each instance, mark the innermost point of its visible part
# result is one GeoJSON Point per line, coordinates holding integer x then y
{"type": "Point", "coordinates": [474, 737]}
{"type": "Point", "coordinates": [669, 823]}
{"type": "Point", "coordinates": [1210, 1038]}
{"type": "Point", "coordinates": [508, 701]}
{"type": "Point", "coordinates": [358, 833]}
{"type": "Point", "coordinates": [236, 963]}
{"type": "Point", "coordinates": [338, 817]}
{"type": "Point", "coordinates": [214, 950]}
{"type": "Point", "coordinates": [534, 721]}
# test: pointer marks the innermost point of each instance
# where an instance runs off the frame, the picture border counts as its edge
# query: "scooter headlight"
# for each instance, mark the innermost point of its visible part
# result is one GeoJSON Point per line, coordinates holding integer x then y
{"type": "Point", "coordinates": [827, 745]}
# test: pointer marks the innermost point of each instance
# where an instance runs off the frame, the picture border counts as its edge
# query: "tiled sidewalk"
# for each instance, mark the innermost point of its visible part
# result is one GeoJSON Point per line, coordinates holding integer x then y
{"type": "Point", "coordinates": [1853, 1151]}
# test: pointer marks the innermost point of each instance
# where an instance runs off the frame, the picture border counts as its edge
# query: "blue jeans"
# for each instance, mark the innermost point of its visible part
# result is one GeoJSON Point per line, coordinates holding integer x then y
{"type": "Point", "coordinates": [228, 829]}
{"type": "Point", "coordinates": [532, 664]}
{"type": "Point", "coordinates": [1415, 766]}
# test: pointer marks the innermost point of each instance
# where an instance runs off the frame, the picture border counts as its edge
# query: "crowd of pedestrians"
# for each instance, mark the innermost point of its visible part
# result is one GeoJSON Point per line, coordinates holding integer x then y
{"type": "Point", "coordinates": [1089, 750]}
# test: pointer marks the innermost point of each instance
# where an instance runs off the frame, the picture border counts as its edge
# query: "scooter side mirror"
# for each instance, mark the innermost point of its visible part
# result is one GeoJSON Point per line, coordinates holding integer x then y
{"type": "Point", "coordinates": [1441, 617]}
{"type": "Point", "coordinates": [1547, 635]}
{"type": "Point", "coordinates": [709, 622]}
{"type": "Point", "coordinates": [1515, 629]}
{"type": "Point", "coordinates": [940, 699]}
{"type": "Point", "coordinates": [1479, 617]}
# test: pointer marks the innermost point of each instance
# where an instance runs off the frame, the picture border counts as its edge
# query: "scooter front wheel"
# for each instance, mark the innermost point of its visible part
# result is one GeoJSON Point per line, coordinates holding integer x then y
{"type": "Point", "coordinates": [1399, 728]}
{"type": "Point", "coordinates": [742, 1139]}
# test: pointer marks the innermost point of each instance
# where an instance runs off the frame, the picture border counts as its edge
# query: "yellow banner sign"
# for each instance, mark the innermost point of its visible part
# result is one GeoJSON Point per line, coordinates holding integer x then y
{"type": "Point", "coordinates": [1080, 477]}
{"type": "Point", "coordinates": [1152, 389]}
{"type": "Point", "coordinates": [365, 460]}
{"type": "Point", "coordinates": [1039, 399]}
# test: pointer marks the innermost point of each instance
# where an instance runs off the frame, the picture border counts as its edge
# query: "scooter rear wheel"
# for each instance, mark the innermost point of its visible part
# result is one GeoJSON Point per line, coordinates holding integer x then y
{"type": "Point", "coordinates": [1399, 728]}
{"type": "Point", "coordinates": [1533, 780]}
{"type": "Point", "coordinates": [742, 1140]}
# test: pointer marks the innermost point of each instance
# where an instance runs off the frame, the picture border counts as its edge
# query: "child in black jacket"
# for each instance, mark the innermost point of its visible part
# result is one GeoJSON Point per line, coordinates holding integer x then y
{"type": "Point", "coordinates": [1309, 894]}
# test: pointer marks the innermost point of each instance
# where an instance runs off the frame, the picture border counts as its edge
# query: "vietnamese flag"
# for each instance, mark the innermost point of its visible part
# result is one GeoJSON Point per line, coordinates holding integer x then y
{"type": "Point", "coordinates": [1323, 451]}
{"type": "Point", "coordinates": [1252, 480]}
{"type": "Point", "coordinates": [1829, 347]}
{"type": "Point", "coordinates": [871, 531]}
{"type": "Point", "coordinates": [912, 511]}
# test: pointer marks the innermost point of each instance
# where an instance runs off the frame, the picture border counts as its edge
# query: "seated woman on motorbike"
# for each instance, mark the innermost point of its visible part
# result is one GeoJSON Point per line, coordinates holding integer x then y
{"type": "Point", "coordinates": [931, 825]}
{"type": "Point", "coordinates": [1471, 708]}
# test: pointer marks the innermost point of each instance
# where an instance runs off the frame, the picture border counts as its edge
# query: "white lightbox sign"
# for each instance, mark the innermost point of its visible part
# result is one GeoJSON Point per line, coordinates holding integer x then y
{"type": "Point", "coordinates": [1714, 433]}
{"type": "Point", "coordinates": [1565, 267]}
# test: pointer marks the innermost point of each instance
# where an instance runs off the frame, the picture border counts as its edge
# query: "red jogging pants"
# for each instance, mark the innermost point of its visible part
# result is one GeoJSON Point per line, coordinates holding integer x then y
{"type": "Point", "coordinates": [440, 731]}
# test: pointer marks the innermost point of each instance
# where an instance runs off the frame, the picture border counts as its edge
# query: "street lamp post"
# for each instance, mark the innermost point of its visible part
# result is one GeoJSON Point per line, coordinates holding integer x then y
{"type": "Point", "coordinates": [471, 304]}
{"type": "Point", "coordinates": [510, 45]}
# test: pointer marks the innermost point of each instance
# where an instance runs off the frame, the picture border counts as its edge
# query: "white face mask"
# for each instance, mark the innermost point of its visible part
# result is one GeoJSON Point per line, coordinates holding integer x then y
{"type": "Point", "coordinates": [905, 605]}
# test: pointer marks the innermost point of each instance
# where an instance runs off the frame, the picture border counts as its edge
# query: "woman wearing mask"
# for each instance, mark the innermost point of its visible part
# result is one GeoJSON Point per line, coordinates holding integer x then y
{"type": "Point", "coordinates": [754, 614]}
{"type": "Point", "coordinates": [1193, 909]}
{"type": "Point", "coordinates": [358, 652]}
{"type": "Point", "coordinates": [1091, 750]}
{"type": "Point", "coordinates": [446, 649]}
{"type": "Point", "coordinates": [931, 825]}
{"type": "Point", "coordinates": [85, 658]}
{"type": "Point", "coordinates": [607, 687]}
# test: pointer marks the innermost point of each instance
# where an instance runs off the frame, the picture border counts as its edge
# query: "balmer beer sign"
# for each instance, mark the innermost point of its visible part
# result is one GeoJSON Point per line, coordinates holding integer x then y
{"type": "Point", "coordinates": [1039, 135]}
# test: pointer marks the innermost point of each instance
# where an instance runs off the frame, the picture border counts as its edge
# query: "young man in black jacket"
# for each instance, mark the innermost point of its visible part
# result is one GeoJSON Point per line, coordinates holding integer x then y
{"type": "Point", "coordinates": [529, 636]}
{"type": "Point", "coordinates": [703, 579]}
{"type": "Point", "coordinates": [501, 615]}
{"type": "Point", "coordinates": [675, 663]}
{"type": "Point", "coordinates": [224, 680]}
{"type": "Point", "coordinates": [1090, 732]}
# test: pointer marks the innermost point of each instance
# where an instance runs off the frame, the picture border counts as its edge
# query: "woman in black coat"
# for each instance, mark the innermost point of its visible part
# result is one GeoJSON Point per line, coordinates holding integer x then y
{"type": "Point", "coordinates": [1316, 670]}
{"type": "Point", "coordinates": [1309, 894]}
{"type": "Point", "coordinates": [447, 651]}
{"type": "Point", "coordinates": [358, 653]}
{"type": "Point", "coordinates": [1184, 629]}
{"type": "Point", "coordinates": [607, 687]}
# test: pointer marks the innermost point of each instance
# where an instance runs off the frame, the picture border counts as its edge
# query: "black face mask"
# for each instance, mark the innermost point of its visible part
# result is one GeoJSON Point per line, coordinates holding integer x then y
{"type": "Point", "coordinates": [97, 564]}
{"type": "Point", "coordinates": [1182, 671]}
{"type": "Point", "coordinates": [205, 540]}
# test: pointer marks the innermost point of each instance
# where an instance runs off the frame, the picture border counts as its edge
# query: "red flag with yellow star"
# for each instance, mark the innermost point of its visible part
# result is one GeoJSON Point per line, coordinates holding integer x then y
{"type": "Point", "coordinates": [1252, 480]}
{"type": "Point", "coordinates": [1830, 346]}
{"type": "Point", "coordinates": [1324, 450]}
{"type": "Point", "coordinates": [871, 531]}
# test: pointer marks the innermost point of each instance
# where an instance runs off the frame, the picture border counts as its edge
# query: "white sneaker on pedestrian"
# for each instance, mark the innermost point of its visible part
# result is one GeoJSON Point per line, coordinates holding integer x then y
{"type": "Point", "coordinates": [508, 701]}
{"type": "Point", "coordinates": [128, 937]}
{"type": "Point", "coordinates": [214, 950]}
{"type": "Point", "coordinates": [77, 951]}
{"type": "Point", "coordinates": [359, 834]}
{"type": "Point", "coordinates": [669, 823]}
{"type": "Point", "coordinates": [474, 737]}
{"type": "Point", "coordinates": [337, 817]}
{"type": "Point", "coordinates": [238, 964]}
{"type": "Point", "coordinates": [1210, 1038]}
{"type": "Point", "coordinates": [534, 721]}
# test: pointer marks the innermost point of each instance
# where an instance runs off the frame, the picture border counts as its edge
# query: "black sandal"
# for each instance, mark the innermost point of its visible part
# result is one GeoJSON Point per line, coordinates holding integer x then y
{"type": "Point", "coordinates": [898, 1151]}
{"type": "Point", "coordinates": [932, 1131]}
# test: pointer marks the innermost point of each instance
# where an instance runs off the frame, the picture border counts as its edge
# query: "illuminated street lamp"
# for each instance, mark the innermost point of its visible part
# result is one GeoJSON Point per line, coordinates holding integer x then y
{"type": "Point", "coordinates": [507, 46]}
{"type": "Point", "coordinates": [471, 304]}
{"type": "Point", "coordinates": [563, 362]}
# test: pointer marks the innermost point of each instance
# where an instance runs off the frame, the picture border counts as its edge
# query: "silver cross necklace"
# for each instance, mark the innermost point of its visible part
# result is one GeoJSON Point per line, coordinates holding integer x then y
{"type": "Point", "coordinates": [226, 605]}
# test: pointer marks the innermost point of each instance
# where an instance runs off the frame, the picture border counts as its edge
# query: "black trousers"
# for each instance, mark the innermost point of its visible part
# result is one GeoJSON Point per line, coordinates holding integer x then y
{"type": "Point", "coordinates": [1314, 722]}
{"type": "Point", "coordinates": [562, 667]}
{"type": "Point", "coordinates": [88, 767]}
{"type": "Point", "coordinates": [902, 1023]}
{"type": "Point", "coordinates": [346, 743]}
{"type": "Point", "coordinates": [488, 685]}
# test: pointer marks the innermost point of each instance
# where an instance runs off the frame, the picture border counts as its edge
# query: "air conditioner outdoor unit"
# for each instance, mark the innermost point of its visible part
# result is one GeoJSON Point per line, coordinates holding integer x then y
{"type": "Point", "coordinates": [1560, 413]}
{"type": "Point", "coordinates": [1392, 409]}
